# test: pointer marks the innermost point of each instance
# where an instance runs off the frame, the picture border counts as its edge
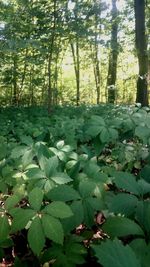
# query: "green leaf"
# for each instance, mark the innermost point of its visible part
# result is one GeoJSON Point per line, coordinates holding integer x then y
{"type": "Point", "coordinates": [105, 136]}
{"type": "Point", "coordinates": [58, 209]}
{"type": "Point", "coordinates": [142, 132]}
{"type": "Point", "coordinates": [143, 215]}
{"type": "Point", "coordinates": [113, 134]}
{"type": "Point", "coordinates": [145, 173]}
{"type": "Point", "coordinates": [144, 186]}
{"type": "Point", "coordinates": [4, 227]}
{"type": "Point", "coordinates": [71, 223]}
{"type": "Point", "coordinates": [89, 213]}
{"type": "Point", "coordinates": [35, 173]}
{"type": "Point", "coordinates": [27, 158]}
{"type": "Point", "coordinates": [49, 166]}
{"type": "Point", "coordinates": [124, 204]}
{"type": "Point", "coordinates": [18, 151]}
{"type": "Point", "coordinates": [36, 198]}
{"type": "Point", "coordinates": [20, 218]}
{"type": "Point", "coordinates": [12, 201]}
{"type": "Point", "coordinates": [95, 125]}
{"type": "Point", "coordinates": [127, 181]}
{"type": "Point", "coordinates": [53, 229]}
{"type": "Point", "coordinates": [114, 254]}
{"type": "Point", "coordinates": [3, 150]}
{"type": "Point", "coordinates": [86, 188]}
{"type": "Point", "coordinates": [121, 226]}
{"type": "Point", "coordinates": [27, 140]}
{"type": "Point", "coordinates": [141, 250]}
{"type": "Point", "coordinates": [61, 178]}
{"type": "Point", "coordinates": [36, 236]}
{"type": "Point", "coordinates": [63, 193]}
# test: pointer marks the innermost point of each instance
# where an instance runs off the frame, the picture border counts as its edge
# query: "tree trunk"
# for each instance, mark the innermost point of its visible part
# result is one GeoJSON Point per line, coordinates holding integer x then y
{"type": "Point", "coordinates": [23, 76]}
{"type": "Point", "coordinates": [50, 59]}
{"type": "Point", "coordinates": [141, 47]}
{"type": "Point", "coordinates": [112, 68]}
{"type": "Point", "coordinates": [15, 91]}
{"type": "Point", "coordinates": [76, 61]}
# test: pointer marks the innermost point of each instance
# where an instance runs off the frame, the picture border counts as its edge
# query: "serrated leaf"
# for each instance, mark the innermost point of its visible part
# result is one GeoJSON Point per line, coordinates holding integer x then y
{"type": "Point", "coordinates": [114, 254]}
{"type": "Point", "coordinates": [121, 226]}
{"type": "Point", "coordinates": [20, 218]}
{"type": "Point", "coordinates": [36, 198]}
{"type": "Point", "coordinates": [142, 132]}
{"type": "Point", "coordinates": [49, 166]}
{"type": "Point", "coordinates": [11, 201]}
{"type": "Point", "coordinates": [53, 229]}
{"type": "Point", "coordinates": [36, 237]}
{"type": "Point", "coordinates": [86, 188]}
{"type": "Point", "coordinates": [127, 181]}
{"type": "Point", "coordinates": [61, 178]}
{"type": "Point", "coordinates": [58, 209]}
{"type": "Point", "coordinates": [105, 136]}
{"type": "Point", "coordinates": [145, 173]}
{"type": "Point", "coordinates": [18, 151]}
{"type": "Point", "coordinates": [27, 158]}
{"type": "Point", "coordinates": [140, 248]}
{"type": "Point", "coordinates": [26, 140]}
{"type": "Point", "coordinates": [124, 204]}
{"type": "Point", "coordinates": [71, 223]}
{"type": "Point", "coordinates": [4, 227]}
{"type": "Point", "coordinates": [35, 173]}
{"type": "Point", "coordinates": [144, 186]}
{"type": "Point", "coordinates": [113, 134]}
{"type": "Point", "coordinates": [63, 193]}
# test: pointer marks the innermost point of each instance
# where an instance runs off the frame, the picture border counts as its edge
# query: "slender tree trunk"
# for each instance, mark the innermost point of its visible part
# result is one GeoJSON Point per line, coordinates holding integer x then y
{"type": "Point", "coordinates": [31, 86]}
{"type": "Point", "coordinates": [96, 68]}
{"type": "Point", "coordinates": [141, 47]}
{"type": "Point", "coordinates": [23, 76]}
{"type": "Point", "coordinates": [112, 68]}
{"type": "Point", "coordinates": [15, 91]}
{"type": "Point", "coordinates": [50, 60]}
{"type": "Point", "coordinates": [76, 61]}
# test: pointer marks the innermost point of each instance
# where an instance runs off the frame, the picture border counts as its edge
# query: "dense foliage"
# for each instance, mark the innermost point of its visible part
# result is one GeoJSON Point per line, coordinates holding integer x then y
{"type": "Point", "coordinates": [75, 186]}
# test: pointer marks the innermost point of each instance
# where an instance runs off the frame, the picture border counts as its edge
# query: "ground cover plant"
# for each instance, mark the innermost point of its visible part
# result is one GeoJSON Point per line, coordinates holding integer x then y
{"type": "Point", "coordinates": [75, 186]}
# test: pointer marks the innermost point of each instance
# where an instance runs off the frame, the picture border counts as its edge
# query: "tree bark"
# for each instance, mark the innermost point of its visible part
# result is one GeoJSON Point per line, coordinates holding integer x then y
{"type": "Point", "coordinates": [15, 90]}
{"type": "Point", "coordinates": [76, 62]}
{"type": "Point", "coordinates": [50, 59]}
{"type": "Point", "coordinates": [112, 68]}
{"type": "Point", "coordinates": [141, 47]}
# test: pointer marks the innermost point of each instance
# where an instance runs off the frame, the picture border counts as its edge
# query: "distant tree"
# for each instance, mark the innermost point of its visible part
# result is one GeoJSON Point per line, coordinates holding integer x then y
{"type": "Point", "coordinates": [142, 54]}
{"type": "Point", "coordinates": [112, 67]}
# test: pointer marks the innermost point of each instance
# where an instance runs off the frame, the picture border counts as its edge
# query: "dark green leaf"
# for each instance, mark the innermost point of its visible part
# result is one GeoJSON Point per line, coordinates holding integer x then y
{"type": "Point", "coordinates": [4, 227]}
{"type": "Point", "coordinates": [63, 193]}
{"type": "Point", "coordinates": [53, 229]}
{"type": "Point", "coordinates": [20, 218]}
{"type": "Point", "coordinates": [36, 198]}
{"type": "Point", "coordinates": [127, 181]}
{"type": "Point", "coordinates": [58, 209]}
{"type": "Point", "coordinates": [121, 226]}
{"type": "Point", "coordinates": [114, 254]}
{"type": "Point", "coordinates": [36, 236]}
